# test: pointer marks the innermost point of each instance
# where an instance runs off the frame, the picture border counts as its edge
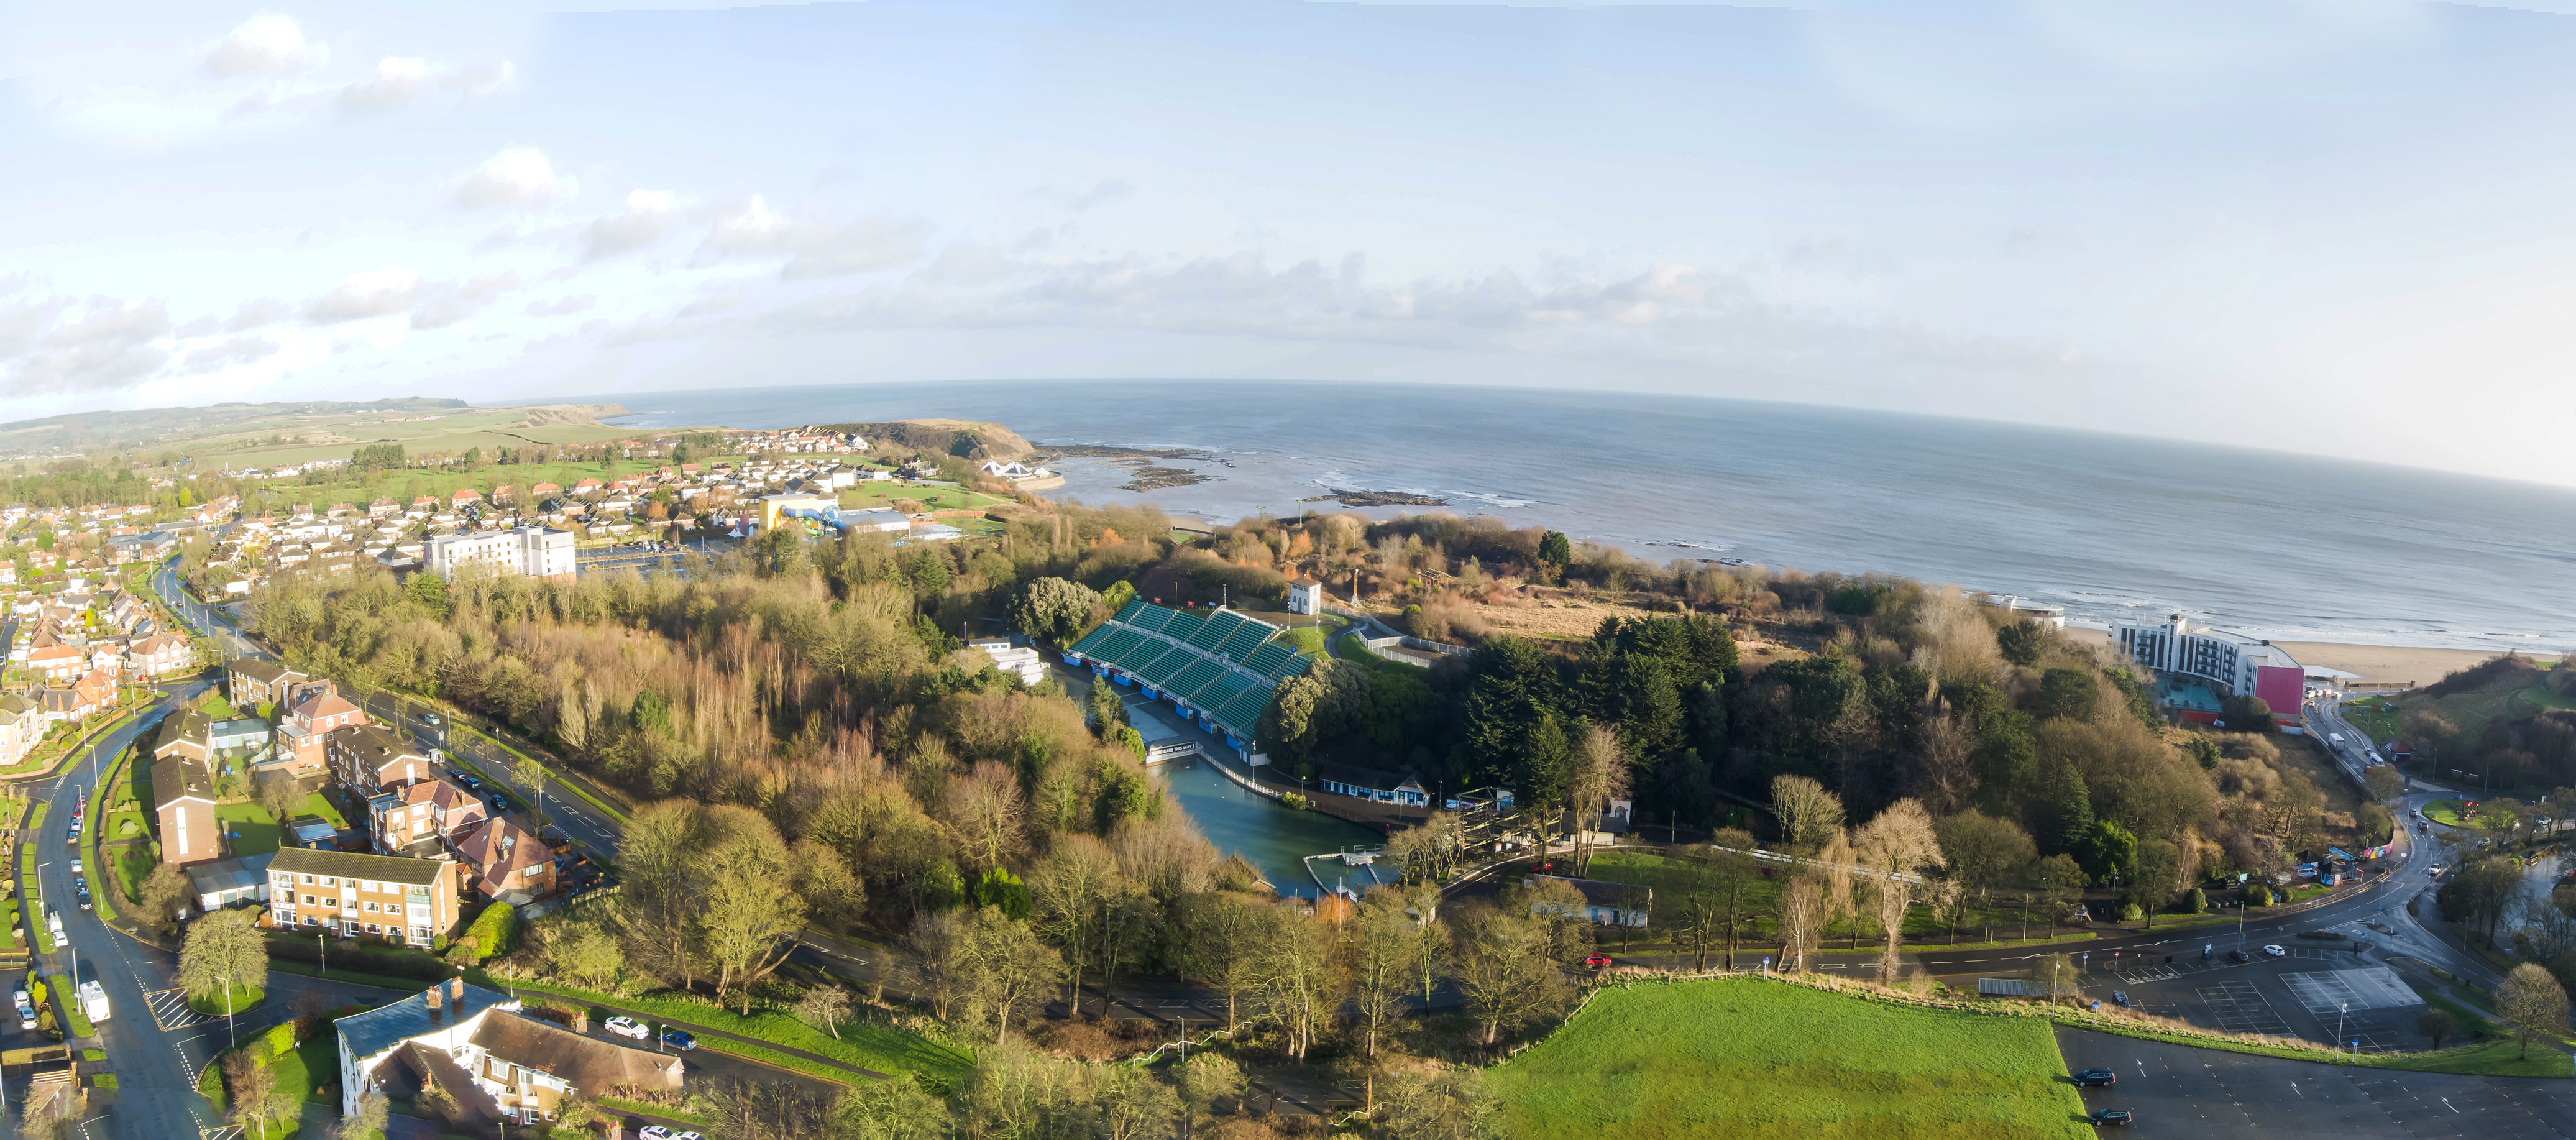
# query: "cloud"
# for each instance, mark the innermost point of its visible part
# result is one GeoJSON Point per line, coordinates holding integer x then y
{"type": "Point", "coordinates": [817, 247]}
{"type": "Point", "coordinates": [562, 306]}
{"type": "Point", "coordinates": [516, 176]}
{"type": "Point", "coordinates": [227, 353]}
{"type": "Point", "coordinates": [649, 214]}
{"type": "Point", "coordinates": [259, 311]}
{"type": "Point", "coordinates": [363, 296]}
{"type": "Point", "coordinates": [1077, 201]}
{"type": "Point", "coordinates": [108, 346]}
{"type": "Point", "coordinates": [265, 43]}
{"type": "Point", "coordinates": [400, 79]}
{"type": "Point", "coordinates": [444, 305]}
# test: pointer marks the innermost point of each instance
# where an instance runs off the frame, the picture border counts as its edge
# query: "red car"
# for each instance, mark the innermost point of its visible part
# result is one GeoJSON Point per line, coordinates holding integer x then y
{"type": "Point", "coordinates": [1596, 961]}
{"type": "Point", "coordinates": [1541, 868]}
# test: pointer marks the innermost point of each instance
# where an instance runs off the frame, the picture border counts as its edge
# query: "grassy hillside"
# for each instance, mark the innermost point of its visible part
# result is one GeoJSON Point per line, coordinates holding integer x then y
{"type": "Point", "coordinates": [145, 426]}
{"type": "Point", "coordinates": [1747, 1057]}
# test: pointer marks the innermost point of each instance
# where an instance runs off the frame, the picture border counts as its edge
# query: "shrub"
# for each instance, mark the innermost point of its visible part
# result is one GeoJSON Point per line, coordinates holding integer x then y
{"type": "Point", "coordinates": [493, 930]}
{"type": "Point", "coordinates": [2199, 900]}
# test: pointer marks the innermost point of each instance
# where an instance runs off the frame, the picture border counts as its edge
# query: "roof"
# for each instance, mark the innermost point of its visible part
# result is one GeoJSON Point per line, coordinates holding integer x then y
{"type": "Point", "coordinates": [312, 829]}
{"type": "Point", "coordinates": [178, 778]}
{"type": "Point", "coordinates": [377, 1030]}
{"type": "Point", "coordinates": [498, 850]}
{"type": "Point", "coordinates": [241, 873]}
{"type": "Point", "coordinates": [351, 865]}
{"type": "Point", "coordinates": [1364, 777]}
{"type": "Point", "coordinates": [319, 703]}
{"type": "Point", "coordinates": [265, 672]}
{"type": "Point", "coordinates": [374, 745]}
{"type": "Point", "coordinates": [184, 727]}
{"type": "Point", "coordinates": [591, 1066]}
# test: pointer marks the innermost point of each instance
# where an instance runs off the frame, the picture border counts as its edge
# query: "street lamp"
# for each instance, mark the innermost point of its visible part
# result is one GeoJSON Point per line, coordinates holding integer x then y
{"type": "Point", "coordinates": [228, 1008]}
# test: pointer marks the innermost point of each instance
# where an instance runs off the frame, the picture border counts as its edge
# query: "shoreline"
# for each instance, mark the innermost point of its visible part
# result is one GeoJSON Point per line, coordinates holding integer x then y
{"type": "Point", "coordinates": [2373, 664]}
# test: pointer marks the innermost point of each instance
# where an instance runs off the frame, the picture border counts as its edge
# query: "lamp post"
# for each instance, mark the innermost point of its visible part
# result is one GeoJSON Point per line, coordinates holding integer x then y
{"type": "Point", "coordinates": [228, 1008]}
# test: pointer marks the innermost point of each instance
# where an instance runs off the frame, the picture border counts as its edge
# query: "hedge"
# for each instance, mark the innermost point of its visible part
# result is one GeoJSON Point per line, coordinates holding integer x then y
{"type": "Point", "coordinates": [490, 935]}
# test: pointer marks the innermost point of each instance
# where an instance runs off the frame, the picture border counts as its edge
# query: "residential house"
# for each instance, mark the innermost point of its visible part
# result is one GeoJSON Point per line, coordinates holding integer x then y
{"type": "Point", "coordinates": [423, 820]}
{"type": "Point", "coordinates": [1306, 596]}
{"type": "Point", "coordinates": [313, 709]}
{"type": "Point", "coordinates": [508, 864]}
{"type": "Point", "coordinates": [405, 901]}
{"type": "Point", "coordinates": [184, 795]}
{"type": "Point", "coordinates": [97, 689]}
{"type": "Point", "coordinates": [58, 662]}
{"type": "Point", "coordinates": [22, 724]}
{"type": "Point", "coordinates": [495, 1061]}
{"type": "Point", "coordinates": [187, 734]}
{"type": "Point", "coordinates": [159, 654]}
{"type": "Point", "coordinates": [1369, 784]}
{"type": "Point", "coordinates": [256, 682]}
{"type": "Point", "coordinates": [1604, 904]}
{"type": "Point", "coordinates": [366, 759]}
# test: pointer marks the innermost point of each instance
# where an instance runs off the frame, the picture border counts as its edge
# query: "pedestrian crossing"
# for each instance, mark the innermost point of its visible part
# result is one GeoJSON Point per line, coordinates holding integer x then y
{"type": "Point", "coordinates": [170, 1009]}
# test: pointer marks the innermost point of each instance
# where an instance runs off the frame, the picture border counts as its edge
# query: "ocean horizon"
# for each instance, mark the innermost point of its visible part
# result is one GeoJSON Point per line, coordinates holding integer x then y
{"type": "Point", "coordinates": [2113, 527]}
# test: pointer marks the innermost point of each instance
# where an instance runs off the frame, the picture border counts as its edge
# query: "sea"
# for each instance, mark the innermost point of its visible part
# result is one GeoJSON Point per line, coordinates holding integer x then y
{"type": "Point", "coordinates": [2268, 544]}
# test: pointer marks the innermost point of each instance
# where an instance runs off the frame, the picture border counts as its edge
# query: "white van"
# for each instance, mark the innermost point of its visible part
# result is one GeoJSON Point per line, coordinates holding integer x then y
{"type": "Point", "coordinates": [93, 998]}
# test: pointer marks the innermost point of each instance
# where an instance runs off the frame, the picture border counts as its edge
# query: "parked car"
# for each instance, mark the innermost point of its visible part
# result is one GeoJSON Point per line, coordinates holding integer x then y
{"type": "Point", "coordinates": [26, 1008]}
{"type": "Point", "coordinates": [54, 922]}
{"type": "Point", "coordinates": [76, 866]}
{"type": "Point", "coordinates": [2091, 1077]}
{"type": "Point", "coordinates": [1596, 961]}
{"type": "Point", "coordinates": [628, 1027]}
{"type": "Point", "coordinates": [655, 1132]}
{"type": "Point", "coordinates": [2275, 951]}
{"type": "Point", "coordinates": [679, 1039]}
{"type": "Point", "coordinates": [93, 999]}
{"type": "Point", "coordinates": [2239, 956]}
{"type": "Point", "coordinates": [80, 889]}
{"type": "Point", "coordinates": [2109, 1116]}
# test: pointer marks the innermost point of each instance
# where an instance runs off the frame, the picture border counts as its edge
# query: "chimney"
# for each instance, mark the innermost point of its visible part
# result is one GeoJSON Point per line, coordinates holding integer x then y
{"type": "Point", "coordinates": [456, 990]}
{"type": "Point", "coordinates": [434, 1011]}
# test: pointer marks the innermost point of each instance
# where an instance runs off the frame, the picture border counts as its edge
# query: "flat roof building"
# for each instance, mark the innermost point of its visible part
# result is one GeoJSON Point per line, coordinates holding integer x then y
{"type": "Point", "coordinates": [526, 551]}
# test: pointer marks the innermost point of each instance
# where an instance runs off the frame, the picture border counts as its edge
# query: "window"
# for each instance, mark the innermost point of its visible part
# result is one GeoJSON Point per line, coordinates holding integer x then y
{"type": "Point", "coordinates": [372, 928]}
{"type": "Point", "coordinates": [371, 908]}
{"type": "Point", "coordinates": [310, 920]}
{"type": "Point", "coordinates": [308, 900]}
{"type": "Point", "coordinates": [308, 879]}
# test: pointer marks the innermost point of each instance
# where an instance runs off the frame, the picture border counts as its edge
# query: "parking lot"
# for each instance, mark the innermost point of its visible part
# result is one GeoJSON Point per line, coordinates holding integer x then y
{"type": "Point", "coordinates": [2328, 996]}
{"type": "Point", "coordinates": [2179, 1090]}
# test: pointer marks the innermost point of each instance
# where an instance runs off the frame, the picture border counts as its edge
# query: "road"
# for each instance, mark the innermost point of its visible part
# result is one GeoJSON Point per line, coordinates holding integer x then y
{"type": "Point", "coordinates": [216, 622]}
{"type": "Point", "coordinates": [2179, 1090]}
{"type": "Point", "coordinates": [588, 827]}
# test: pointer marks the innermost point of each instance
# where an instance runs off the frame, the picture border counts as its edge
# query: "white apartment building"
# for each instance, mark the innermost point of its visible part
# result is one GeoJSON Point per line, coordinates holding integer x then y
{"type": "Point", "coordinates": [529, 551]}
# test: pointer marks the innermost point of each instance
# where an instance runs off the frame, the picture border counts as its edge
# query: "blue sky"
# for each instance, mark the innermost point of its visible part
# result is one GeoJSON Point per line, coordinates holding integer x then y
{"type": "Point", "coordinates": [2327, 227]}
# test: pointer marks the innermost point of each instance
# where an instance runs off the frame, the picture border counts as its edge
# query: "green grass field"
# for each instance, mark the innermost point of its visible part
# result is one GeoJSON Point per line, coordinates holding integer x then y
{"type": "Point", "coordinates": [254, 830]}
{"type": "Point", "coordinates": [1747, 1057]}
{"type": "Point", "coordinates": [1673, 881]}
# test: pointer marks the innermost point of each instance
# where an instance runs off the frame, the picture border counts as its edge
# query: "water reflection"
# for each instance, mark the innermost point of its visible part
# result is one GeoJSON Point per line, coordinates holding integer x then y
{"type": "Point", "coordinates": [1268, 836]}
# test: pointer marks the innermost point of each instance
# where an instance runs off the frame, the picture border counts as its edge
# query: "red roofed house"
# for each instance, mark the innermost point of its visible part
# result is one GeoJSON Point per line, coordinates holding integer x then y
{"type": "Point", "coordinates": [159, 654]}
{"type": "Point", "coordinates": [463, 496]}
{"type": "Point", "coordinates": [313, 709]}
{"type": "Point", "coordinates": [508, 865]}
{"type": "Point", "coordinates": [542, 490]}
{"type": "Point", "coordinates": [58, 662]}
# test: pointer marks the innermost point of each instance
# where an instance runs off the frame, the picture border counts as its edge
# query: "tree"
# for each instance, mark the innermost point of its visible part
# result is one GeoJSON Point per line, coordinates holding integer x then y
{"type": "Point", "coordinates": [1981, 849]}
{"type": "Point", "coordinates": [1732, 871]}
{"type": "Point", "coordinates": [1301, 980]}
{"type": "Point", "coordinates": [1072, 892]}
{"type": "Point", "coordinates": [825, 1007]}
{"type": "Point", "coordinates": [1446, 1103]}
{"type": "Point", "coordinates": [1205, 1079]}
{"type": "Point", "coordinates": [1132, 1104]}
{"type": "Point", "coordinates": [2532, 1003]}
{"type": "Point", "coordinates": [2247, 714]}
{"type": "Point", "coordinates": [587, 956]}
{"type": "Point", "coordinates": [1505, 972]}
{"type": "Point", "coordinates": [2489, 890]}
{"type": "Point", "coordinates": [2066, 694]}
{"type": "Point", "coordinates": [1108, 711]}
{"type": "Point", "coordinates": [1378, 952]}
{"type": "Point", "coordinates": [1802, 921]}
{"type": "Point", "coordinates": [1600, 776]}
{"type": "Point", "coordinates": [282, 797]}
{"type": "Point", "coordinates": [430, 591]}
{"type": "Point", "coordinates": [1009, 968]}
{"type": "Point", "coordinates": [1221, 930]}
{"type": "Point", "coordinates": [2022, 642]}
{"type": "Point", "coordinates": [369, 1122]}
{"type": "Point", "coordinates": [223, 946]}
{"type": "Point", "coordinates": [752, 917]}
{"type": "Point", "coordinates": [940, 966]}
{"type": "Point", "coordinates": [2060, 882]}
{"type": "Point", "coordinates": [2158, 869]}
{"type": "Point", "coordinates": [2056, 975]}
{"type": "Point", "coordinates": [256, 1099]}
{"type": "Point", "coordinates": [1894, 846]}
{"type": "Point", "coordinates": [1054, 608]}
{"type": "Point", "coordinates": [532, 775]}
{"type": "Point", "coordinates": [2384, 782]}
{"type": "Point", "coordinates": [2437, 1024]}
{"type": "Point", "coordinates": [1809, 815]}
{"type": "Point", "coordinates": [167, 894]}
{"type": "Point", "coordinates": [895, 1109]}
{"type": "Point", "coordinates": [1555, 549]}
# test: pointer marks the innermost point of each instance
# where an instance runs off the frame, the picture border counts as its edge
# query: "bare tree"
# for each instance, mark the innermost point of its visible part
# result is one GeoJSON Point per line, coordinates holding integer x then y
{"type": "Point", "coordinates": [1302, 983]}
{"type": "Point", "coordinates": [1221, 930]}
{"type": "Point", "coordinates": [1504, 970]}
{"type": "Point", "coordinates": [1073, 890]}
{"type": "Point", "coordinates": [2532, 1003]}
{"type": "Point", "coordinates": [1600, 776]}
{"type": "Point", "coordinates": [1378, 952]}
{"type": "Point", "coordinates": [1010, 969]}
{"type": "Point", "coordinates": [752, 918]}
{"type": "Point", "coordinates": [1893, 849]}
{"type": "Point", "coordinates": [825, 1007]}
{"type": "Point", "coordinates": [1802, 921]}
{"type": "Point", "coordinates": [989, 818]}
{"type": "Point", "coordinates": [1834, 867]}
{"type": "Point", "coordinates": [1809, 815]}
{"type": "Point", "coordinates": [2056, 973]}
{"type": "Point", "coordinates": [1949, 763]}
{"type": "Point", "coordinates": [2437, 1024]}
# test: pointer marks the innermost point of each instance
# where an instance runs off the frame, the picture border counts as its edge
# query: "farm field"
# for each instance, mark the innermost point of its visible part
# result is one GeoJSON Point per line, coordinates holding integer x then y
{"type": "Point", "coordinates": [1749, 1057]}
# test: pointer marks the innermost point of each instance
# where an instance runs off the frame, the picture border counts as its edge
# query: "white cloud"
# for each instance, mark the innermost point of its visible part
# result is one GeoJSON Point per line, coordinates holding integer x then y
{"type": "Point", "coordinates": [649, 214]}
{"type": "Point", "coordinates": [516, 176]}
{"type": "Point", "coordinates": [109, 346]}
{"type": "Point", "coordinates": [363, 296]}
{"type": "Point", "coordinates": [259, 311]}
{"type": "Point", "coordinates": [562, 306]}
{"type": "Point", "coordinates": [265, 43]}
{"type": "Point", "coordinates": [817, 247]}
{"type": "Point", "coordinates": [227, 353]}
{"type": "Point", "coordinates": [444, 305]}
{"type": "Point", "coordinates": [399, 79]}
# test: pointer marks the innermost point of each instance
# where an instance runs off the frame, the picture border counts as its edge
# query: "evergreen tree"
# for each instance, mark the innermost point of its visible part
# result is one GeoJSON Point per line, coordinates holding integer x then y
{"type": "Point", "coordinates": [2072, 814]}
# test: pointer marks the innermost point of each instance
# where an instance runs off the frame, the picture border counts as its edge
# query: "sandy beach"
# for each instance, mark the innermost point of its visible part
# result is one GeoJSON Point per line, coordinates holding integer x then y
{"type": "Point", "coordinates": [2377, 664]}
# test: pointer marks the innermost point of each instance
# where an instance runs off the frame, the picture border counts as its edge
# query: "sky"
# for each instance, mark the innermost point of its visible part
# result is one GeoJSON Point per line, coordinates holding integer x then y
{"type": "Point", "coordinates": [2337, 228]}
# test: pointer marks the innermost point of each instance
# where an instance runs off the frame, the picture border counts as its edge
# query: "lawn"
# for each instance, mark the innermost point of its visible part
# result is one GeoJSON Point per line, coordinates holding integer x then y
{"type": "Point", "coordinates": [133, 865]}
{"type": "Point", "coordinates": [1749, 1057]}
{"type": "Point", "coordinates": [1673, 880]}
{"type": "Point", "coordinates": [219, 708]}
{"type": "Point", "coordinates": [245, 998]}
{"type": "Point", "coordinates": [254, 830]}
{"type": "Point", "coordinates": [880, 1048]}
{"type": "Point", "coordinates": [2445, 812]}
{"type": "Point", "coordinates": [318, 804]}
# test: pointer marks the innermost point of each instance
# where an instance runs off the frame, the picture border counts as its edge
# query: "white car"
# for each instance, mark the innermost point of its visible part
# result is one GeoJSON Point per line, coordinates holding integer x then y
{"type": "Point", "coordinates": [54, 922]}
{"type": "Point", "coordinates": [655, 1132]}
{"type": "Point", "coordinates": [76, 867]}
{"type": "Point", "coordinates": [2275, 951]}
{"type": "Point", "coordinates": [629, 1027]}
{"type": "Point", "coordinates": [93, 997]}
